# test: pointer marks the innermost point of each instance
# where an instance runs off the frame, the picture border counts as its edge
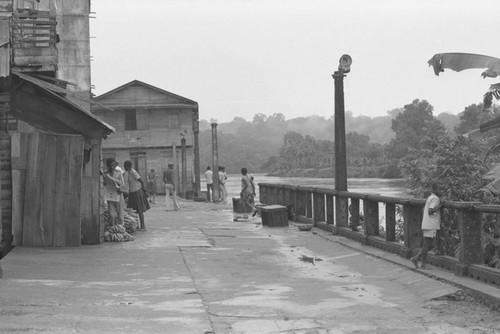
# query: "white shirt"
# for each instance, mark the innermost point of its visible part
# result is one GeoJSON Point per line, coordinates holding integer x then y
{"type": "Point", "coordinates": [209, 175]}
{"type": "Point", "coordinates": [431, 222]}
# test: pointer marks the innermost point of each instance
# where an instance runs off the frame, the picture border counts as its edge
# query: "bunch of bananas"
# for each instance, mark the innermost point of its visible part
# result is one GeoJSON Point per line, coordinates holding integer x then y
{"type": "Point", "coordinates": [131, 223]}
{"type": "Point", "coordinates": [117, 233]}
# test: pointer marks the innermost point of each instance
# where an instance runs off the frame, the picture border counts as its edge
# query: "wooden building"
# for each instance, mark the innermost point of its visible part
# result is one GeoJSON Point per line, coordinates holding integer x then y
{"type": "Point", "coordinates": [50, 142]}
{"type": "Point", "coordinates": [153, 128]}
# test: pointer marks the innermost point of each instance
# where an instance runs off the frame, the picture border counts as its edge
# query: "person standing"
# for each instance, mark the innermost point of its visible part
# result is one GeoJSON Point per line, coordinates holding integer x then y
{"type": "Point", "coordinates": [151, 185]}
{"type": "Point", "coordinates": [137, 196]}
{"type": "Point", "coordinates": [222, 184]}
{"type": "Point", "coordinates": [431, 222]}
{"type": "Point", "coordinates": [209, 177]}
{"type": "Point", "coordinates": [113, 181]}
{"type": "Point", "coordinates": [168, 179]}
{"type": "Point", "coordinates": [247, 192]}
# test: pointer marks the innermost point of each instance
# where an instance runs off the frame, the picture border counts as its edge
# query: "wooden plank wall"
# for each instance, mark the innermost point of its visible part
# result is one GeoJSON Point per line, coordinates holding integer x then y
{"type": "Point", "coordinates": [92, 226]}
{"type": "Point", "coordinates": [51, 211]}
{"type": "Point", "coordinates": [6, 191]}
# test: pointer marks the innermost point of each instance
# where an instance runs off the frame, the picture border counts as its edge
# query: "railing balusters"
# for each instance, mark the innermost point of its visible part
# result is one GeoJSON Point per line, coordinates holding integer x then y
{"type": "Point", "coordinates": [318, 204]}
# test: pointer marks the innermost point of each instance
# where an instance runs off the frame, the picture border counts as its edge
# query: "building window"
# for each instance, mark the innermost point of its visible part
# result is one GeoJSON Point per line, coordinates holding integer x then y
{"type": "Point", "coordinates": [130, 119]}
{"type": "Point", "coordinates": [173, 121]}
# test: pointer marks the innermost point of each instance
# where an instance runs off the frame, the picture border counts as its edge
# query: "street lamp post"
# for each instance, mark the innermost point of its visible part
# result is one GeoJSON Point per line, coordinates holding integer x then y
{"type": "Point", "coordinates": [215, 163]}
{"type": "Point", "coordinates": [341, 203]}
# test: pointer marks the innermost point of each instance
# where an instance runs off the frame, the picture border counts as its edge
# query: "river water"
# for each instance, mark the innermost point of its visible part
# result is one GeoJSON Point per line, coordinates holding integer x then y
{"type": "Point", "coordinates": [386, 187]}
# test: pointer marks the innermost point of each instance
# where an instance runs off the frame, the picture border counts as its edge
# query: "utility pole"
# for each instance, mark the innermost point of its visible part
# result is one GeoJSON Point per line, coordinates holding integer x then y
{"type": "Point", "coordinates": [341, 203]}
{"type": "Point", "coordinates": [215, 163]}
{"type": "Point", "coordinates": [197, 172]}
{"type": "Point", "coordinates": [183, 167]}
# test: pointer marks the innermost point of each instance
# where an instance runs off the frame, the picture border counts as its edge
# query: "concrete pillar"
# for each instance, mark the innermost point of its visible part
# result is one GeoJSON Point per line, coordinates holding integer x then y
{"type": "Point", "coordinates": [412, 216]}
{"type": "Point", "coordinates": [371, 217]}
{"type": "Point", "coordinates": [471, 251]}
{"type": "Point", "coordinates": [390, 221]}
{"type": "Point", "coordinates": [354, 213]}
{"type": "Point", "coordinates": [329, 210]}
{"type": "Point", "coordinates": [319, 207]}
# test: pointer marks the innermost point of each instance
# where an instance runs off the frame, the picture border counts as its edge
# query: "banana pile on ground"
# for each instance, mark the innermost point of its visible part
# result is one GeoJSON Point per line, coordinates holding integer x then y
{"type": "Point", "coordinates": [120, 232]}
{"type": "Point", "coordinates": [131, 221]}
{"type": "Point", "coordinates": [117, 233]}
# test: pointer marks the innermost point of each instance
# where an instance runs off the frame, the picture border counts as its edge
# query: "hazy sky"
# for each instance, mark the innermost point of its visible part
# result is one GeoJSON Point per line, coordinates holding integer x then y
{"type": "Point", "coordinates": [242, 57]}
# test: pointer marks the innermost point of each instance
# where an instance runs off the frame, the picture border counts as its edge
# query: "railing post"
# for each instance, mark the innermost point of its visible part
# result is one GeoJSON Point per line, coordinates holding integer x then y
{"type": "Point", "coordinates": [390, 222]}
{"type": "Point", "coordinates": [319, 207]}
{"type": "Point", "coordinates": [293, 199]}
{"type": "Point", "coordinates": [341, 211]}
{"type": "Point", "coordinates": [286, 196]}
{"type": "Point", "coordinates": [412, 215]}
{"type": "Point", "coordinates": [354, 213]}
{"type": "Point", "coordinates": [329, 209]}
{"type": "Point", "coordinates": [371, 217]}
{"type": "Point", "coordinates": [279, 195]}
{"type": "Point", "coordinates": [300, 203]}
{"type": "Point", "coordinates": [471, 251]}
{"type": "Point", "coordinates": [309, 206]}
{"type": "Point", "coordinates": [262, 194]}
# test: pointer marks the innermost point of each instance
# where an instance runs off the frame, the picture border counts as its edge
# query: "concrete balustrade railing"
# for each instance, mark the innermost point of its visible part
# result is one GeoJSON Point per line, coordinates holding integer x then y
{"type": "Point", "coordinates": [317, 205]}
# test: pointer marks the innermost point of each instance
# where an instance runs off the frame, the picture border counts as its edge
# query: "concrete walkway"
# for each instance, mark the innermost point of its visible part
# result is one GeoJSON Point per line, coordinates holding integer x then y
{"type": "Point", "coordinates": [198, 271]}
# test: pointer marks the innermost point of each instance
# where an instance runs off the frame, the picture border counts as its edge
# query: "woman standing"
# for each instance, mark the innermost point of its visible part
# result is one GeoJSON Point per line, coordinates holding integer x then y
{"type": "Point", "coordinates": [137, 196]}
{"type": "Point", "coordinates": [247, 191]}
{"type": "Point", "coordinates": [113, 181]}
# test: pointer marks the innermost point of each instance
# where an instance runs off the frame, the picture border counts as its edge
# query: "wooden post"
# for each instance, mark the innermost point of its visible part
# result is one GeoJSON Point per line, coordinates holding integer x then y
{"type": "Point", "coordinates": [176, 164]}
{"type": "Point", "coordinates": [183, 167]}
{"type": "Point", "coordinates": [215, 164]}
{"type": "Point", "coordinates": [390, 222]}
{"type": "Point", "coordinates": [371, 217]}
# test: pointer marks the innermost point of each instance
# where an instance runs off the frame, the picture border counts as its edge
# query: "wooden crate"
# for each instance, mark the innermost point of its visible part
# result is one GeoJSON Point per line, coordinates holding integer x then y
{"type": "Point", "coordinates": [239, 207]}
{"type": "Point", "coordinates": [274, 215]}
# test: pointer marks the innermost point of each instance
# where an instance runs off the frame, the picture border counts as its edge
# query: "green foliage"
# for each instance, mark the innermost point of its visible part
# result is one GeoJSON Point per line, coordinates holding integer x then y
{"type": "Point", "coordinates": [456, 163]}
{"type": "Point", "coordinates": [411, 126]}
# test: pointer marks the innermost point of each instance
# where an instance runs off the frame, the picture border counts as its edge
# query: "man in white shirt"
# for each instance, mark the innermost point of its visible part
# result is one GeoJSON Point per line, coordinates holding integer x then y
{"type": "Point", "coordinates": [209, 177]}
{"type": "Point", "coordinates": [431, 222]}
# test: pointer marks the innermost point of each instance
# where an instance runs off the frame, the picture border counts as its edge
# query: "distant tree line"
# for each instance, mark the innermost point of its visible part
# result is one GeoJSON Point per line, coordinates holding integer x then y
{"type": "Point", "coordinates": [375, 146]}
